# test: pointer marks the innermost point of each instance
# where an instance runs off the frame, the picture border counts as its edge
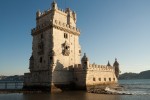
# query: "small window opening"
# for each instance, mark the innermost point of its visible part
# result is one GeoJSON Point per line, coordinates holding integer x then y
{"type": "Point", "coordinates": [94, 79]}
{"type": "Point", "coordinates": [104, 79]}
{"type": "Point", "coordinates": [41, 60]}
{"type": "Point", "coordinates": [41, 36]}
{"type": "Point", "coordinates": [65, 35]}
{"type": "Point", "coordinates": [99, 79]}
{"type": "Point", "coordinates": [109, 79]}
{"type": "Point", "coordinates": [114, 79]}
{"type": "Point", "coordinates": [66, 47]}
{"type": "Point", "coordinates": [51, 58]}
{"type": "Point", "coordinates": [79, 51]}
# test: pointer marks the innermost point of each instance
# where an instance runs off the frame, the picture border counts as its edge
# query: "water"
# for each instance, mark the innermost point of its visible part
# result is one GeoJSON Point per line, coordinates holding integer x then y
{"type": "Point", "coordinates": [11, 85]}
{"type": "Point", "coordinates": [140, 90]}
{"type": "Point", "coordinates": [133, 87]}
{"type": "Point", "coordinates": [136, 87]}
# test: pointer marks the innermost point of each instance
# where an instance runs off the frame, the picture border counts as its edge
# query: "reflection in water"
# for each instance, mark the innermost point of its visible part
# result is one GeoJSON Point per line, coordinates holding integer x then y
{"type": "Point", "coordinates": [75, 95]}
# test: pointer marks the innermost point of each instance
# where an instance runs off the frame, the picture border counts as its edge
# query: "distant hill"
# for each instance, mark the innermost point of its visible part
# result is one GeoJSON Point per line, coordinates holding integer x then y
{"type": "Point", "coordinates": [141, 75]}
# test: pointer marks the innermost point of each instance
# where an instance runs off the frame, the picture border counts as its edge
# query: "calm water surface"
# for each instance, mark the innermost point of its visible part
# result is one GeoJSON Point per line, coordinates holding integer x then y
{"type": "Point", "coordinates": [78, 95]}
{"type": "Point", "coordinates": [139, 88]}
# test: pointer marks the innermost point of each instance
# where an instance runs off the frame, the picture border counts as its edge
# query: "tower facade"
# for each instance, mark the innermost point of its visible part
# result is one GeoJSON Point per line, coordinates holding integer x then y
{"type": "Point", "coordinates": [55, 47]}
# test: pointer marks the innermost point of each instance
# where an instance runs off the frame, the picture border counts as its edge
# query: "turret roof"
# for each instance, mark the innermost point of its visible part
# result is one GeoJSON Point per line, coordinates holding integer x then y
{"type": "Point", "coordinates": [108, 64]}
{"type": "Point", "coordinates": [116, 62]}
{"type": "Point", "coordinates": [85, 57]}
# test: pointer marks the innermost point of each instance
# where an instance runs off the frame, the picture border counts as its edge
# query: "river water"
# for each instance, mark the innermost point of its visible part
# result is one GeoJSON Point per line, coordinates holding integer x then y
{"type": "Point", "coordinates": [140, 90]}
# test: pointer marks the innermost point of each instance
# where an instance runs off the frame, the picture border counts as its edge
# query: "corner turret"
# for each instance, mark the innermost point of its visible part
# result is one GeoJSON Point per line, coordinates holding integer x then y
{"type": "Point", "coordinates": [116, 68]}
{"type": "Point", "coordinates": [38, 14]}
{"type": "Point", "coordinates": [85, 61]}
{"type": "Point", "coordinates": [54, 5]}
{"type": "Point", "coordinates": [71, 17]}
{"type": "Point", "coordinates": [31, 64]}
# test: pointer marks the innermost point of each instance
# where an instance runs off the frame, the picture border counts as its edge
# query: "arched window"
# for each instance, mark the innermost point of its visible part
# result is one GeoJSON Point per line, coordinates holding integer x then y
{"type": "Point", "coordinates": [65, 35]}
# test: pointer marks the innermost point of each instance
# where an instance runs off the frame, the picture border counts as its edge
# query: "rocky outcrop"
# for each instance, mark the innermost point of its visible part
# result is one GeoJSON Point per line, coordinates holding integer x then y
{"type": "Point", "coordinates": [111, 89]}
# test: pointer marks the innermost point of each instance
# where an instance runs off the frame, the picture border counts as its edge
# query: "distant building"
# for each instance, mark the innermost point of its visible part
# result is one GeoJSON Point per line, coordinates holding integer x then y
{"type": "Point", "coordinates": [56, 61]}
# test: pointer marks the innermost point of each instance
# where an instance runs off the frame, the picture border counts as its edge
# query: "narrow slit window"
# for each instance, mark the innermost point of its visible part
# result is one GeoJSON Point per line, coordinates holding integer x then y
{"type": "Point", "coordinates": [109, 79]}
{"type": "Point", "coordinates": [94, 79]}
{"type": "Point", "coordinates": [41, 59]}
{"type": "Point", "coordinates": [104, 79]}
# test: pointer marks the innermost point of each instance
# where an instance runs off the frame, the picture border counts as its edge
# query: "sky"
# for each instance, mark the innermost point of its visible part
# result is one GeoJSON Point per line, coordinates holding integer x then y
{"type": "Point", "coordinates": [109, 29]}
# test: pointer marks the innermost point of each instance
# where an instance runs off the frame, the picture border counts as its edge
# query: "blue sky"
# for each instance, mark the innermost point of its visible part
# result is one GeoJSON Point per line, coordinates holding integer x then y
{"type": "Point", "coordinates": [109, 29]}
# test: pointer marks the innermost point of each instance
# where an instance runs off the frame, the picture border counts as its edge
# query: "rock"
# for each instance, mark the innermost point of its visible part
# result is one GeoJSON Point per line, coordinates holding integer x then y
{"type": "Point", "coordinates": [113, 90]}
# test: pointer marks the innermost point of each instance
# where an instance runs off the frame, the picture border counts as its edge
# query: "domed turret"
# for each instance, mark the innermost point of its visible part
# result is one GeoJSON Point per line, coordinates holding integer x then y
{"type": "Point", "coordinates": [116, 68]}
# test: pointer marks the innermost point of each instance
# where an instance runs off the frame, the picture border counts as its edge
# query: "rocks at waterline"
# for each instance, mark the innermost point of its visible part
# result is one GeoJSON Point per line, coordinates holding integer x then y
{"type": "Point", "coordinates": [113, 90]}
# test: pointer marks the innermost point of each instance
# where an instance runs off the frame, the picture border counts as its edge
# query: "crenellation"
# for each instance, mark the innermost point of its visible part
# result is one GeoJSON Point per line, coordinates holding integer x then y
{"type": "Point", "coordinates": [78, 67]}
{"type": "Point", "coordinates": [100, 67]}
{"type": "Point", "coordinates": [41, 14]}
{"type": "Point", "coordinates": [59, 24]}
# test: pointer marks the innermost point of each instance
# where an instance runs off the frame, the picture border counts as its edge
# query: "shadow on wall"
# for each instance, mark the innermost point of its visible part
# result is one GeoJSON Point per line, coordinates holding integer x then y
{"type": "Point", "coordinates": [68, 78]}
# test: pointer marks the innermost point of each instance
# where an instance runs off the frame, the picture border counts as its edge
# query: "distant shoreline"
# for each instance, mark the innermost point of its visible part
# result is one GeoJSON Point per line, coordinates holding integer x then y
{"type": "Point", "coordinates": [141, 75]}
{"type": "Point", "coordinates": [135, 79]}
{"type": "Point", "coordinates": [8, 91]}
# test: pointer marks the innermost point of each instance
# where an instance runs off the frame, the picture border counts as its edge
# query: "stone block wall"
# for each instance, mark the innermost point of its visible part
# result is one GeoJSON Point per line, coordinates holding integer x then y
{"type": "Point", "coordinates": [100, 74]}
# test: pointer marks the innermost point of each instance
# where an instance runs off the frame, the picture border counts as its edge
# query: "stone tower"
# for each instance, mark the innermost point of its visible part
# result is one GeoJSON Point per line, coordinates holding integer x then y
{"type": "Point", "coordinates": [55, 63]}
{"type": "Point", "coordinates": [116, 68]}
{"type": "Point", "coordinates": [55, 48]}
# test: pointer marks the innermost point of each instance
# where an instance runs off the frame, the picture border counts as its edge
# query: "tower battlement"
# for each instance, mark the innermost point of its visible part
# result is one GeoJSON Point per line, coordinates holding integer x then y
{"type": "Point", "coordinates": [66, 12]}
{"type": "Point", "coordinates": [67, 16]}
{"type": "Point", "coordinates": [95, 67]}
{"type": "Point", "coordinates": [57, 24]}
{"type": "Point", "coordinates": [100, 67]}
